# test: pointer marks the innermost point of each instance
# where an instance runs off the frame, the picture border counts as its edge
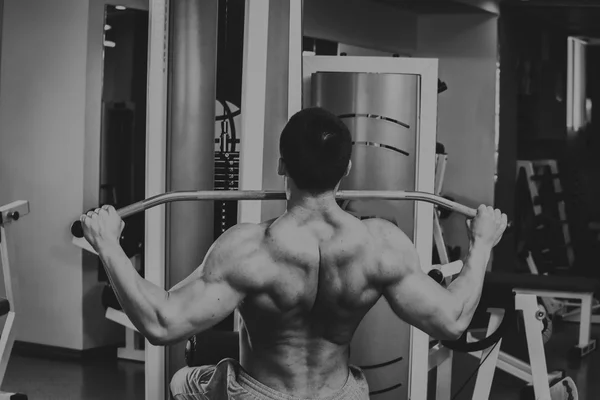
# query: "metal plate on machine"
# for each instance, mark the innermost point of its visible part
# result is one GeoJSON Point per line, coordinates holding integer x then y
{"type": "Point", "coordinates": [381, 111]}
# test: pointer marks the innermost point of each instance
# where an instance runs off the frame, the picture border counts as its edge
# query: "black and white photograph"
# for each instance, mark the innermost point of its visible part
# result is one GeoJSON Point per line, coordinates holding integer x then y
{"type": "Point", "coordinates": [299, 199]}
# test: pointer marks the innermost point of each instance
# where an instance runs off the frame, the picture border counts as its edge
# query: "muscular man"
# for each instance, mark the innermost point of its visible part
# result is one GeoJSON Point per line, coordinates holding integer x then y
{"type": "Point", "coordinates": [302, 282]}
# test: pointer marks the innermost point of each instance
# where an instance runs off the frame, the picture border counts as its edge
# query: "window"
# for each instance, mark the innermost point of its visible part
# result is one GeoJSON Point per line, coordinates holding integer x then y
{"type": "Point", "coordinates": [497, 123]}
{"type": "Point", "coordinates": [576, 96]}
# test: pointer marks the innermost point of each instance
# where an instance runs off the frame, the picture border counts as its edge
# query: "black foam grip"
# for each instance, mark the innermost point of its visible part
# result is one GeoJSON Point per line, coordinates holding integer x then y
{"type": "Point", "coordinates": [436, 275]}
{"type": "Point", "coordinates": [4, 306]}
{"type": "Point", "coordinates": [77, 229]}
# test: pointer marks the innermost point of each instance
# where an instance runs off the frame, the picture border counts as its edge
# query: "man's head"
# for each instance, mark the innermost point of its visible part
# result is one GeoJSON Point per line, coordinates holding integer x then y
{"type": "Point", "coordinates": [315, 148]}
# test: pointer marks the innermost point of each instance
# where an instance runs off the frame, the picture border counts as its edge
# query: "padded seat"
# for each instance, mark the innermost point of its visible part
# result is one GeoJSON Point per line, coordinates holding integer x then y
{"type": "Point", "coordinates": [4, 307]}
{"type": "Point", "coordinates": [500, 281]}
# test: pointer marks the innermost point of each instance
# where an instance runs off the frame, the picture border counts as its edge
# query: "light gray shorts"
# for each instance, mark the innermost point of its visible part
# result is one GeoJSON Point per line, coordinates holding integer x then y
{"type": "Point", "coordinates": [228, 381]}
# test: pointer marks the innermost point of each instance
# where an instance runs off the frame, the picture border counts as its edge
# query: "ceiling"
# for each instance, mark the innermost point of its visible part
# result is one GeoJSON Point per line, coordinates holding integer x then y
{"type": "Point", "coordinates": [577, 17]}
{"type": "Point", "coordinates": [432, 6]}
{"type": "Point", "coordinates": [556, 3]}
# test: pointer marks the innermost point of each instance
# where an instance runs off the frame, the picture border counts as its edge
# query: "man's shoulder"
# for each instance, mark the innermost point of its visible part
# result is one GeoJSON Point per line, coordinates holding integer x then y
{"type": "Point", "coordinates": [240, 240]}
{"type": "Point", "coordinates": [240, 255]}
{"type": "Point", "coordinates": [386, 233]}
{"type": "Point", "coordinates": [244, 232]}
{"type": "Point", "coordinates": [394, 247]}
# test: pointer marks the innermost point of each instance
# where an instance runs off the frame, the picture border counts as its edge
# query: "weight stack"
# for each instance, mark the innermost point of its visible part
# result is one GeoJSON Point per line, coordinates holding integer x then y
{"type": "Point", "coordinates": [227, 174]}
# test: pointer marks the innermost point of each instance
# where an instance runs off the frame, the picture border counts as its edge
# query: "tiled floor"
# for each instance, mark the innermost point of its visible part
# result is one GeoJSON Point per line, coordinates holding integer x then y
{"type": "Point", "coordinates": [43, 379]}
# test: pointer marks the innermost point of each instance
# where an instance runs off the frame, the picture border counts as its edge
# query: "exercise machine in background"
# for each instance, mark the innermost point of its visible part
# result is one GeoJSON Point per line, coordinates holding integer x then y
{"type": "Point", "coordinates": [544, 236]}
{"type": "Point", "coordinates": [9, 214]}
{"type": "Point", "coordinates": [500, 303]}
{"type": "Point", "coordinates": [226, 178]}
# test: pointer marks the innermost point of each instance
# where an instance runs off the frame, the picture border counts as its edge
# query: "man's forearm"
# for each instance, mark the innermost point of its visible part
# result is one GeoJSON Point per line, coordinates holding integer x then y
{"type": "Point", "coordinates": [467, 287]}
{"type": "Point", "coordinates": [141, 300]}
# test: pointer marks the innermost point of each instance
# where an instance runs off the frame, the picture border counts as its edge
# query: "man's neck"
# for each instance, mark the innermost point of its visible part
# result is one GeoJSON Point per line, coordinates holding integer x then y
{"type": "Point", "coordinates": [302, 203]}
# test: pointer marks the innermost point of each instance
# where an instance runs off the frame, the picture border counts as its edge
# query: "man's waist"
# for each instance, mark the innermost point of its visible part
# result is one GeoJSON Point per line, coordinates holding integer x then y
{"type": "Point", "coordinates": [284, 370]}
{"type": "Point", "coordinates": [287, 383]}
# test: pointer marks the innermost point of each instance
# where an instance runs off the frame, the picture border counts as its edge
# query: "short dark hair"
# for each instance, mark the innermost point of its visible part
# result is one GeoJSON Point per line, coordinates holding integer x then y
{"type": "Point", "coordinates": [316, 147]}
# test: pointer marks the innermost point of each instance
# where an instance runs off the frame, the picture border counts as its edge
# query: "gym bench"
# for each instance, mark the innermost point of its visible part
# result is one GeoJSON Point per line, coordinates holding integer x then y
{"type": "Point", "coordinates": [559, 287]}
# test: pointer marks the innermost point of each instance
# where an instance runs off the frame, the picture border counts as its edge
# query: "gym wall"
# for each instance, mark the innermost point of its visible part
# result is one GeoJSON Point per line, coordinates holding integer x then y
{"type": "Point", "coordinates": [50, 104]}
{"type": "Point", "coordinates": [466, 46]}
{"type": "Point", "coordinates": [372, 25]}
{"type": "Point", "coordinates": [42, 160]}
{"type": "Point", "coordinates": [97, 330]}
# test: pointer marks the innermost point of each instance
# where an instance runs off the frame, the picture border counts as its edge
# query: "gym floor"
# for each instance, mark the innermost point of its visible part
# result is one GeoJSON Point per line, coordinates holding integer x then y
{"type": "Point", "coordinates": [585, 373]}
{"type": "Point", "coordinates": [42, 378]}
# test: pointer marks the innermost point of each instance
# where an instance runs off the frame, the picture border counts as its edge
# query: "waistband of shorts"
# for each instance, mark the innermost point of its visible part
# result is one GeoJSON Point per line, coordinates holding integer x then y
{"type": "Point", "coordinates": [263, 391]}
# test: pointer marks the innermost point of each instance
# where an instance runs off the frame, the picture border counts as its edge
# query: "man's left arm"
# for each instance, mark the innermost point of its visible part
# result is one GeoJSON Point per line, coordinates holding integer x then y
{"type": "Point", "coordinates": [206, 297]}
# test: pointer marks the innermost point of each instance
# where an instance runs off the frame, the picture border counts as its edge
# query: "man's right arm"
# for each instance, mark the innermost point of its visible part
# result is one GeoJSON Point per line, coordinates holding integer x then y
{"type": "Point", "coordinates": [418, 299]}
{"type": "Point", "coordinates": [467, 287]}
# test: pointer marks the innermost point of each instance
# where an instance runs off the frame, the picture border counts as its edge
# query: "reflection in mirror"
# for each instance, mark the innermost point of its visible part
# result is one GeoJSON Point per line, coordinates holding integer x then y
{"type": "Point", "coordinates": [123, 132]}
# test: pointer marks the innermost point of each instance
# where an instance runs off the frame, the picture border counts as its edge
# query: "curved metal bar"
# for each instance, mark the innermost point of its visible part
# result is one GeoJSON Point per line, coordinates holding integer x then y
{"type": "Point", "coordinates": [214, 195]}
{"type": "Point", "coordinates": [275, 195]}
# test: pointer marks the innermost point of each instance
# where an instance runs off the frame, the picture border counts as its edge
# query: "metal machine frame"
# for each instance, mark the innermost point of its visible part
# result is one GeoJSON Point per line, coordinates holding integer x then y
{"type": "Point", "coordinates": [427, 69]}
{"type": "Point", "coordinates": [156, 386]}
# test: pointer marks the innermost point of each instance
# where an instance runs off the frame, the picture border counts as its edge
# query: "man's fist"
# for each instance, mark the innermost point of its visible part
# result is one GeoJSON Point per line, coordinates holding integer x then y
{"type": "Point", "coordinates": [102, 227]}
{"type": "Point", "coordinates": [488, 226]}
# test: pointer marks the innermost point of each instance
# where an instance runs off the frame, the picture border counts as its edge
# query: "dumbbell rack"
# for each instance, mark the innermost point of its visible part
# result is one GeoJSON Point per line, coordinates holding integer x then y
{"type": "Point", "coordinates": [538, 171]}
{"type": "Point", "coordinates": [546, 171]}
{"type": "Point", "coordinates": [552, 305]}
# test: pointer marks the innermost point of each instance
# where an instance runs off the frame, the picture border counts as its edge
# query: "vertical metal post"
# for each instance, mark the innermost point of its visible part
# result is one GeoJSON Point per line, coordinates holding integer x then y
{"type": "Point", "coordinates": [156, 126]}
{"type": "Point", "coordinates": [190, 148]}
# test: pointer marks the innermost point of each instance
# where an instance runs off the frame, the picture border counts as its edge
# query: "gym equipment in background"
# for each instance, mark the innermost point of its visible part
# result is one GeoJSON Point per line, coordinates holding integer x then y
{"type": "Point", "coordinates": [9, 214]}
{"type": "Point", "coordinates": [568, 297]}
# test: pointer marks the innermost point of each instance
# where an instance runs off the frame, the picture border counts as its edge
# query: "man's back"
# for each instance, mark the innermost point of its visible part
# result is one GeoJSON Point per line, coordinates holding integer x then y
{"type": "Point", "coordinates": [302, 282]}
{"type": "Point", "coordinates": [325, 278]}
